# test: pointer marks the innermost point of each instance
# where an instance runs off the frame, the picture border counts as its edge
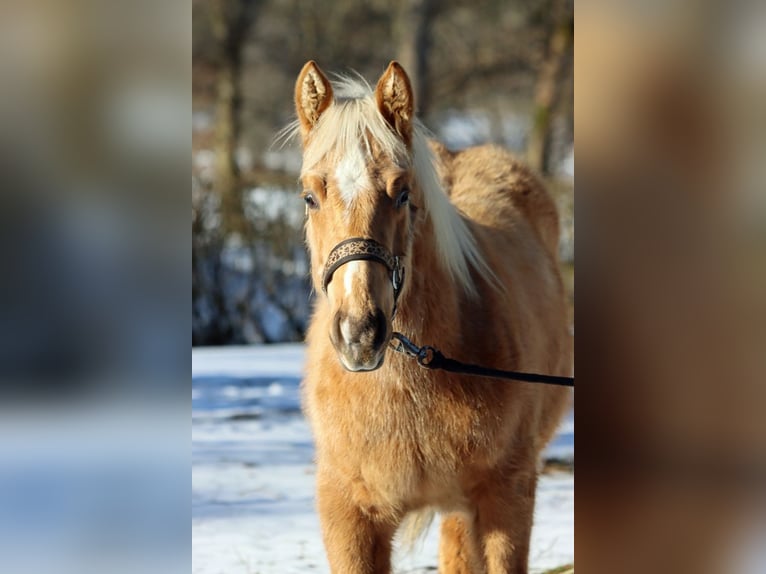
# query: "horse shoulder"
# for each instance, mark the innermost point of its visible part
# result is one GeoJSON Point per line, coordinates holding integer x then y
{"type": "Point", "coordinates": [494, 188]}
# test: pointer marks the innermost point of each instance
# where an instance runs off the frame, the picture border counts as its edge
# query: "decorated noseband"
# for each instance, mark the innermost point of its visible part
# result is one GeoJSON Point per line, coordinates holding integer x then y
{"type": "Point", "coordinates": [361, 249]}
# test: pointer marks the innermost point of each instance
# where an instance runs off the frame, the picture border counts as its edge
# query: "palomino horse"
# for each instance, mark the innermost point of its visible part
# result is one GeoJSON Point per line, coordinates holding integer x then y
{"type": "Point", "coordinates": [456, 250]}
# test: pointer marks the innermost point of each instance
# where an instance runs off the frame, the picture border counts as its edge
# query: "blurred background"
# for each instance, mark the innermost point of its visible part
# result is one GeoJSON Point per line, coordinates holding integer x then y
{"type": "Point", "coordinates": [482, 70]}
{"type": "Point", "coordinates": [95, 109]}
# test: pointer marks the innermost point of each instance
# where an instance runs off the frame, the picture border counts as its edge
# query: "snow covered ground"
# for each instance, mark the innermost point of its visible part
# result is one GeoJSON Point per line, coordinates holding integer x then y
{"type": "Point", "coordinates": [253, 475]}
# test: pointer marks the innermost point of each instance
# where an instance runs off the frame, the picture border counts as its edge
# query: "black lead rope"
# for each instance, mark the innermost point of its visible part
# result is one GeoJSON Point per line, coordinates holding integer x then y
{"type": "Point", "coordinates": [431, 358]}
{"type": "Point", "coordinates": [366, 249]}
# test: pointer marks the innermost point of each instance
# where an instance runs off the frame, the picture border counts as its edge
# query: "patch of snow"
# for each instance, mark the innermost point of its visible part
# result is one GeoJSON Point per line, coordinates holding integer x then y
{"type": "Point", "coordinates": [287, 160]}
{"type": "Point", "coordinates": [273, 204]}
{"type": "Point", "coordinates": [202, 120]}
{"type": "Point", "coordinates": [203, 161]}
{"type": "Point", "coordinates": [566, 167]}
{"type": "Point", "coordinates": [244, 158]}
{"type": "Point", "coordinates": [462, 129]}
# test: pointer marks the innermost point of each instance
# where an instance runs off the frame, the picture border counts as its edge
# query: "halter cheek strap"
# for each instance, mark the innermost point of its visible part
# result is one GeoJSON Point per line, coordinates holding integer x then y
{"type": "Point", "coordinates": [361, 249]}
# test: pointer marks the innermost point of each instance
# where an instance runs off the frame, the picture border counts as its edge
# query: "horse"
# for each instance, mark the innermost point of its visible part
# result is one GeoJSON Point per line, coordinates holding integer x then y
{"type": "Point", "coordinates": [457, 250]}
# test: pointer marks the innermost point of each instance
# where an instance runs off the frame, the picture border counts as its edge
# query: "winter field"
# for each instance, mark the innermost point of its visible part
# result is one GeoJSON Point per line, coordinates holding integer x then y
{"type": "Point", "coordinates": [253, 474]}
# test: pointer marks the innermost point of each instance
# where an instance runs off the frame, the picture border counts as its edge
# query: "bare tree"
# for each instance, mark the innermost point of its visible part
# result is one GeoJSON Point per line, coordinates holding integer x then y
{"type": "Point", "coordinates": [412, 35]}
{"type": "Point", "coordinates": [230, 20]}
{"type": "Point", "coordinates": [550, 83]}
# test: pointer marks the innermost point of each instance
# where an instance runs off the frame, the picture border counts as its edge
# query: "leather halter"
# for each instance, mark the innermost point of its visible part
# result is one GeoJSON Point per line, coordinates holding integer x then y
{"type": "Point", "coordinates": [361, 249]}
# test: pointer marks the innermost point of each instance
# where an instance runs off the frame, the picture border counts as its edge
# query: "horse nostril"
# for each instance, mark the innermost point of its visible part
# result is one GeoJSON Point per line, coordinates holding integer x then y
{"type": "Point", "coordinates": [371, 330]}
{"type": "Point", "coordinates": [380, 329]}
{"type": "Point", "coordinates": [336, 336]}
{"type": "Point", "coordinates": [368, 331]}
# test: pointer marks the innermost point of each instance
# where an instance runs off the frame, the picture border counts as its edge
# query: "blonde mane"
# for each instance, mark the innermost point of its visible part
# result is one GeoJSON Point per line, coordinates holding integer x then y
{"type": "Point", "coordinates": [354, 117]}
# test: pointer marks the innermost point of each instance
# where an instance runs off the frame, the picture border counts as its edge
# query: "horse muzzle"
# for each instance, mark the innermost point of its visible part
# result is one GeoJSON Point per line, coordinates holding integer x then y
{"type": "Point", "coordinates": [360, 341]}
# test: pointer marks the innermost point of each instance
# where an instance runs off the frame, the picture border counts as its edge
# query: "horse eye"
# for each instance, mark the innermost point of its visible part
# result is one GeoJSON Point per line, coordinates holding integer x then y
{"type": "Point", "coordinates": [310, 200]}
{"type": "Point", "coordinates": [404, 197]}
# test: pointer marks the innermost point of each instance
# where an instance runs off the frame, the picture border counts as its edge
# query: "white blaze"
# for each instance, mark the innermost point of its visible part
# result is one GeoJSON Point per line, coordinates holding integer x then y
{"type": "Point", "coordinates": [352, 273]}
{"type": "Point", "coordinates": [352, 269]}
{"type": "Point", "coordinates": [351, 175]}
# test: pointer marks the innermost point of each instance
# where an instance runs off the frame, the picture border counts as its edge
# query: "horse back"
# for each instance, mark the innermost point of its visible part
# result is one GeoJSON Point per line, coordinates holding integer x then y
{"type": "Point", "coordinates": [493, 188]}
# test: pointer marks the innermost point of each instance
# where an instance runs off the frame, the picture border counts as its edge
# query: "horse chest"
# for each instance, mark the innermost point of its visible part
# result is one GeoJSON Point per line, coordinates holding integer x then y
{"type": "Point", "coordinates": [399, 443]}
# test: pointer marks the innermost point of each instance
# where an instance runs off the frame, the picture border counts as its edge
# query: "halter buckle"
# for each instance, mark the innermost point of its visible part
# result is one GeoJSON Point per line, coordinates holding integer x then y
{"type": "Point", "coordinates": [404, 345]}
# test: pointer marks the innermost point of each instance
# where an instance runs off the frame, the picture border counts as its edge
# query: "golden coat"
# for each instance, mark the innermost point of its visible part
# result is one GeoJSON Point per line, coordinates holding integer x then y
{"type": "Point", "coordinates": [402, 439]}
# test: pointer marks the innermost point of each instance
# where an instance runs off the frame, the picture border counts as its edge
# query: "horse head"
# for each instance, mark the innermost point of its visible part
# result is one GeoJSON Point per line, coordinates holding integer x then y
{"type": "Point", "coordinates": [361, 202]}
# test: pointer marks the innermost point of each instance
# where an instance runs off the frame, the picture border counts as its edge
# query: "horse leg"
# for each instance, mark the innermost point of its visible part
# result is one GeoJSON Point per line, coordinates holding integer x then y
{"type": "Point", "coordinates": [356, 540]}
{"type": "Point", "coordinates": [503, 523]}
{"type": "Point", "coordinates": [457, 546]}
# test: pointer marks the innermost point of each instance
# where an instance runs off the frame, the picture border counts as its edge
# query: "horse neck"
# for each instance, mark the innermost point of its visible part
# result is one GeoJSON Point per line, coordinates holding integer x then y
{"type": "Point", "coordinates": [430, 305]}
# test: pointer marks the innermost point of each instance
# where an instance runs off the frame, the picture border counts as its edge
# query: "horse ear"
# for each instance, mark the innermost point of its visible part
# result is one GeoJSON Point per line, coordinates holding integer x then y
{"type": "Point", "coordinates": [395, 100]}
{"type": "Point", "coordinates": [313, 95]}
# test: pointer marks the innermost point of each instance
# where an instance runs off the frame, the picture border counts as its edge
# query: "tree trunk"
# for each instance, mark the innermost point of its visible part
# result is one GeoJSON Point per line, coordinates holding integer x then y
{"type": "Point", "coordinates": [412, 34]}
{"type": "Point", "coordinates": [549, 86]}
{"type": "Point", "coordinates": [229, 22]}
